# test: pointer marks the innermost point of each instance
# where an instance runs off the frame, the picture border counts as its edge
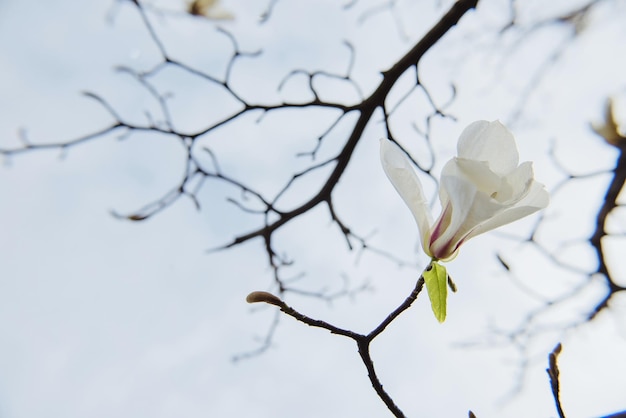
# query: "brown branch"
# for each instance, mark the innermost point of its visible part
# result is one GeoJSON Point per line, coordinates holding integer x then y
{"type": "Point", "coordinates": [367, 109]}
{"type": "Point", "coordinates": [363, 341]}
{"type": "Point", "coordinates": [553, 372]}
{"type": "Point", "coordinates": [405, 305]}
{"type": "Point", "coordinates": [610, 202]}
{"type": "Point", "coordinates": [364, 352]}
{"type": "Point", "coordinates": [196, 171]}
{"type": "Point", "coordinates": [530, 326]}
{"type": "Point", "coordinates": [194, 167]}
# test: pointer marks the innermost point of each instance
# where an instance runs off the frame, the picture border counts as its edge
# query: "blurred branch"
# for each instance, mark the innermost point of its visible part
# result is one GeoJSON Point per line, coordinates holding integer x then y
{"type": "Point", "coordinates": [366, 110]}
{"type": "Point", "coordinates": [610, 202]}
{"type": "Point", "coordinates": [575, 21]}
{"type": "Point", "coordinates": [196, 172]}
{"type": "Point", "coordinates": [534, 323]}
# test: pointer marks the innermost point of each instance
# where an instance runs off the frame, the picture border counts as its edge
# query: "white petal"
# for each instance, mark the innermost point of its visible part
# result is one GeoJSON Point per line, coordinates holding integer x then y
{"type": "Point", "coordinates": [516, 185]}
{"type": "Point", "coordinates": [471, 211]}
{"type": "Point", "coordinates": [478, 173]}
{"type": "Point", "coordinates": [457, 194]}
{"type": "Point", "coordinates": [537, 198]}
{"type": "Point", "coordinates": [491, 142]}
{"type": "Point", "coordinates": [400, 172]}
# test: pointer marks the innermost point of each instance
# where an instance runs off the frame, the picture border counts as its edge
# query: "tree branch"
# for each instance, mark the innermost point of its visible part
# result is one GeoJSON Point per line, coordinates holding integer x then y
{"type": "Point", "coordinates": [553, 372]}
{"type": "Point", "coordinates": [363, 341]}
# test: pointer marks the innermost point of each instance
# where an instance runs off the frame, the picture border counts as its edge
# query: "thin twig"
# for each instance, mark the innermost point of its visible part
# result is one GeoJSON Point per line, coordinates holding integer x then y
{"type": "Point", "coordinates": [553, 372]}
{"type": "Point", "coordinates": [363, 341]}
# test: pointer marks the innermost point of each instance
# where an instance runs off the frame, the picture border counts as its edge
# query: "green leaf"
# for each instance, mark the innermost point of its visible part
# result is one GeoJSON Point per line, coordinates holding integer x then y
{"type": "Point", "coordinates": [436, 280]}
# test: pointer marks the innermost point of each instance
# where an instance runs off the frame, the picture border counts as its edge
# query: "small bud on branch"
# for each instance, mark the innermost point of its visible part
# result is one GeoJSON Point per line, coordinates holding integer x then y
{"type": "Point", "coordinates": [266, 297]}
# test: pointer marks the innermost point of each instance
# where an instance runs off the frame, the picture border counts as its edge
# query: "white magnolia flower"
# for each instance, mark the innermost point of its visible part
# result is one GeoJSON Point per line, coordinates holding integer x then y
{"type": "Point", "coordinates": [481, 189]}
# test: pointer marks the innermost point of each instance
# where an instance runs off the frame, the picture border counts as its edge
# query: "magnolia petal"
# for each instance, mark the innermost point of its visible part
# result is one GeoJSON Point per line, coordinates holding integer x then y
{"type": "Point", "coordinates": [491, 142]}
{"type": "Point", "coordinates": [481, 189]}
{"type": "Point", "coordinates": [470, 208]}
{"type": "Point", "coordinates": [477, 172]}
{"type": "Point", "coordinates": [400, 172]}
{"type": "Point", "coordinates": [482, 211]}
{"type": "Point", "coordinates": [487, 214]}
{"type": "Point", "coordinates": [458, 195]}
{"type": "Point", "coordinates": [517, 184]}
{"type": "Point", "coordinates": [536, 199]}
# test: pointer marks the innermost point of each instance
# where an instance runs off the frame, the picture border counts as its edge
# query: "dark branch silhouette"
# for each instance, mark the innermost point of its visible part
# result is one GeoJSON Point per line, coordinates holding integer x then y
{"type": "Point", "coordinates": [553, 372]}
{"type": "Point", "coordinates": [610, 203]}
{"type": "Point", "coordinates": [203, 163]}
{"type": "Point", "coordinates": [197, 171]}
{"type": "Point", "coordinates": [363, 341]}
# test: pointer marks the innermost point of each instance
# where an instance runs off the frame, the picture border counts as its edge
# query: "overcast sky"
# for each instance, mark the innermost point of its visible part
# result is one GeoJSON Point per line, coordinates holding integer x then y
{"type": "Point", "coordinates": [103, 317]}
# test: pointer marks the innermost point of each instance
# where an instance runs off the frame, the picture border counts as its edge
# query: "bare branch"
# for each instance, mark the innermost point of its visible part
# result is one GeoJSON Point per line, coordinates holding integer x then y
{"type": "Point", "coordinates": [553, 372]}
{"type": "Point", "coordinates": [363, 341]}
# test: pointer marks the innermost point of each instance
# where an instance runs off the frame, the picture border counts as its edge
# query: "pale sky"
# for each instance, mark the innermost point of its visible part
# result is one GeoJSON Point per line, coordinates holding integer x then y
{"type": "Point", "coordinates": [103, 317]}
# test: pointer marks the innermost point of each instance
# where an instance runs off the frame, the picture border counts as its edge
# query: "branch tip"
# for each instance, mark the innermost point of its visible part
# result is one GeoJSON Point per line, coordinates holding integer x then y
{"type": "Point", "coordinates": [266, 297]}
